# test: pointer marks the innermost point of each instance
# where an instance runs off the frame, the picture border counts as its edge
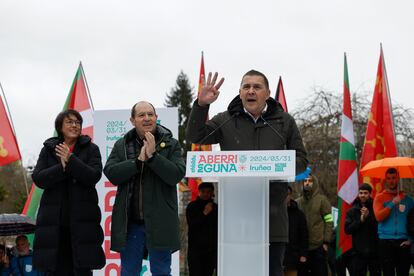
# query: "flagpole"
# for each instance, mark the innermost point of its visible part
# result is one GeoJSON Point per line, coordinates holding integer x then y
{"type": "Point", "coordinates": [15, 138]}
{"type": "Point", "coordinates": [87, 86]}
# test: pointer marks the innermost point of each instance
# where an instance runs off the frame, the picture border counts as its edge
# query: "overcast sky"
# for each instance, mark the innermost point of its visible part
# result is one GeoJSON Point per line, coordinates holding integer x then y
{"type": "Point", "coordinates": [134, 50]}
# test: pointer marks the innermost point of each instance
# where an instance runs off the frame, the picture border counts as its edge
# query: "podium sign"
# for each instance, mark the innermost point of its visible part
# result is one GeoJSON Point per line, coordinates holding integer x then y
{"type": "Point", "coordinates": [274, 164]}
{"type": "Point", "coordinates": [243, 203]}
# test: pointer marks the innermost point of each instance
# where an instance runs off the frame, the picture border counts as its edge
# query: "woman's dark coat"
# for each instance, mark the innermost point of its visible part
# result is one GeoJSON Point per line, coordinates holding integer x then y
{"type": "Point", "coordinates": [69, 198]}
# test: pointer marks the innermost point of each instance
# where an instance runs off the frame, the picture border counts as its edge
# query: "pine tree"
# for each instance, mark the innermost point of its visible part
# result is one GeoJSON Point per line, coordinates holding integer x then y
{"type": "Point", "coordinates": [181, 96]}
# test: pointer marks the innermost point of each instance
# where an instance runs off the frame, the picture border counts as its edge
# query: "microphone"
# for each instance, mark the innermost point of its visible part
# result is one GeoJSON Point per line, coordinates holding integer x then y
{"type": "Point", "coordinates": [217, 128]}
{"type": "Point", "coordinates": [274, 130]}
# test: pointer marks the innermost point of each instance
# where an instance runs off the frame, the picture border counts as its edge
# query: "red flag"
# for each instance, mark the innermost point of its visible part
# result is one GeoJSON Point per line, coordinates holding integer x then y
{"type": "Point", "coordinates": [280, 95]}
{"type": "Point", "coordinates": [379, 138]}
{"type": "Point", "coordinates": [78, 99]}
{"type": "Point", "coordinates": [194, 182]}
{"type": "Point", "coordinates": [9, 150]}
{"type": "Point", "coordinates": [347, 169]}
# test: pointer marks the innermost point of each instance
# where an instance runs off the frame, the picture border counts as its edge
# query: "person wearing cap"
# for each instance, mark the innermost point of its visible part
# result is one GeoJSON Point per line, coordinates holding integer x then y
{"type": "Point", "coordinates": [362, 225]}
{"type": "Point", "coordinates": [391, 208]}
{"type": "Point", "coordinates": [202, 219]}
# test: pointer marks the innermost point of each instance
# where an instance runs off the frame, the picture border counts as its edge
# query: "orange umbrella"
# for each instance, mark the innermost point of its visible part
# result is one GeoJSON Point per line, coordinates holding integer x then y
{"type": "Point", "coordinates": [377, 168]}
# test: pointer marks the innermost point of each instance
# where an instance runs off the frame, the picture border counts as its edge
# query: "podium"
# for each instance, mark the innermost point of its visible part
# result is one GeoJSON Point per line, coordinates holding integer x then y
{"type": "Point", "coordinates": [243, 203]}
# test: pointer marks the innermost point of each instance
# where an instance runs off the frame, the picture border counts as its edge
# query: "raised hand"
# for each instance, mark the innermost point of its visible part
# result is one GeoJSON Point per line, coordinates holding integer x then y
{"type": "Point", "coordinates": [210, 90]}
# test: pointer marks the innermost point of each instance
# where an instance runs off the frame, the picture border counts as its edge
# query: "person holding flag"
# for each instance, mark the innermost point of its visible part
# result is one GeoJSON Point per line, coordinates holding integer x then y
{"type": "Point", "coordinates": [253, 121]}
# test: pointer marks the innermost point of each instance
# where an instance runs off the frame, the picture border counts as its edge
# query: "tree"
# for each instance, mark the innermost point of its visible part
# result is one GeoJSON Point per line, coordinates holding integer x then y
{"type": "Point", "coordinates": [319, 121]}
{"type": "Point", "coordinates": [181, 96]}
{"type": "Point", "coordinates": [12, 188]}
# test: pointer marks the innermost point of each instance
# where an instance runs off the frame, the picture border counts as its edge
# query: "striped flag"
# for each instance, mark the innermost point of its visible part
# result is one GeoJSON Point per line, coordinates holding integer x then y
{"type": "Point", "coordinates": [194, 182]}
{"type": "Point", "coordinates": [78, 99]}
{"type": "Point", "coordinates": [380, 137]}
{"type": "Point", "coordinates": [347, 169]}
{"type": "Point", "coordinates": [280, 95]}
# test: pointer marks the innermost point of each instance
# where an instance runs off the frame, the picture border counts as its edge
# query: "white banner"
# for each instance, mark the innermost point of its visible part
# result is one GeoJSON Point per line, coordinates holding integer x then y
{"type": "Point", "coordinates": [109, 126]}
{"type": "Point", "coordinates": [275, 164]}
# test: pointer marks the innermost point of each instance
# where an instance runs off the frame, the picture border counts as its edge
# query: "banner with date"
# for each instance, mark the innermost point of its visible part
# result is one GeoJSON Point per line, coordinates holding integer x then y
{"type": "Point", "coordinates": [275, 164]}
{"type": "Point", "coordinates": [109, 126]}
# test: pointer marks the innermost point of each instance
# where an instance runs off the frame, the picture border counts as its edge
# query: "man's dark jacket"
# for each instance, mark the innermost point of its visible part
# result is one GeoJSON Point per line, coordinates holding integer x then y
{"type": "Point", "coordinates": [364, 234]}
{"type": "Point", "coordinates": [159, 177]}
{"type": "Point", "coordinates": [298, 236]}
{"type": "Point", "coordinates": [69, 198]}
{"type": "Point", "coordinates": [202, 229]}
{"type": "Point", "coordinates": [275, 130]}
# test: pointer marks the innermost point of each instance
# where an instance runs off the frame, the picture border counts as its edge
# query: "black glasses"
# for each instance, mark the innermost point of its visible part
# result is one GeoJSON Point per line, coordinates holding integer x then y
{"type": "Point", "coordinates": [71, 122]}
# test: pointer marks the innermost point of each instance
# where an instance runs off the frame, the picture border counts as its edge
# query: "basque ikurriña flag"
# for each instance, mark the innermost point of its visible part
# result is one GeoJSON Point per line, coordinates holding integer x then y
{"type": "Point", "coordinates": [78, 99]}
{"type": "Point", "coordinates": [347, 169]}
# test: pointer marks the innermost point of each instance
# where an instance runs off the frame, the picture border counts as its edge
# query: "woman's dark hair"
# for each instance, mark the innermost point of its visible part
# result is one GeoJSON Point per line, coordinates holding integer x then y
{"type": "Point", "coordinates": [61, 117]}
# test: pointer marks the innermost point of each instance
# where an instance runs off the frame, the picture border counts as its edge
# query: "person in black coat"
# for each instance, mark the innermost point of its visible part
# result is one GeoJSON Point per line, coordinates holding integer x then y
{"type": "Point", "coordinates": [361, 224]}
{"type": "Point", "coordinates": [202, 219]}
{"type": "Point", "coordinates": [297, 247]}
{"type": "Point", "coordinates": [68, 234]}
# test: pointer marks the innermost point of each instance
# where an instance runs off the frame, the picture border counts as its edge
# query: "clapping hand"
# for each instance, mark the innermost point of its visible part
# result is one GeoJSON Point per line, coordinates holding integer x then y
{"type": "Point", "coordinates": [210, 90]}
{"type": "Point", "coordinates": [63, 152]}
{"type": "Point", "coordinates": [148, 149]}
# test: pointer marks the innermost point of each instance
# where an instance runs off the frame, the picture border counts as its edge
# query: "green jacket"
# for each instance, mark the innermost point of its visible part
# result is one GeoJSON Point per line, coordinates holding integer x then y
{"type": "Point", "coordinates": [160, 176]}
{"type": "Point", "coordinates": [318, 213]}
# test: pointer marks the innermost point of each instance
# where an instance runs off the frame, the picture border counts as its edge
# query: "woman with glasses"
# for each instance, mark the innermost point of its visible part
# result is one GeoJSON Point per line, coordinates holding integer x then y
{"type": "Point", "coordinates": [68, 235]}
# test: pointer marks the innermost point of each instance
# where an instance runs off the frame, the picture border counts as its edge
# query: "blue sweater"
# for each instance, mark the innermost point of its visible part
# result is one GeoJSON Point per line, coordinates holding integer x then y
{"type": "Point", "coordinates": [395, 226]}
{"type": "Point", "coordinates": [21, 265]}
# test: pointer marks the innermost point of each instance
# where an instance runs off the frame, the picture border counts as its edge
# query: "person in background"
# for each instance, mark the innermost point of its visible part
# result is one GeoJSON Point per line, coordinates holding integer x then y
{"type": "Point", "coordinates": [391, 208]}
{"type": "Point", "coordinates": [361, 224]}
{"type": "Point", "coordinates": [202, 219]}
{"type": "Point", "coordinates": [317, 210]}
{"type": "Point", "coordinates": [297, 247]}
{"type": "Point", "coordinates": [68, 236]}
{"type": "Point", "coordinates": [22, 264]}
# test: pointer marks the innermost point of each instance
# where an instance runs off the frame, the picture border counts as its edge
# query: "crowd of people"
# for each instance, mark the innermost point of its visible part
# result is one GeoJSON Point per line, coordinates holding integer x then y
{"type": "Point", "coordinates": [146, 164]}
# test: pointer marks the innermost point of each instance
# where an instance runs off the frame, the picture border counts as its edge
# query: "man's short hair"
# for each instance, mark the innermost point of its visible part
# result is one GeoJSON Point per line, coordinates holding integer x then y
{"type": "Point", "coordinates": [391, 171]}
{"type": "Point", "coordinates": [365, 187]}
{"type": "Point", "coordinates": [22, 237]}
{"type": "Point", "coordinates": [256, 73]}
{"type": "Point", "coordinates": [206, 185]}
{"type": "Point", "coordinates": [290, 189]}
{"type": "Point", "coordinates": [61, 117]}
{"type": "Point", "coordinates": [133, 108]}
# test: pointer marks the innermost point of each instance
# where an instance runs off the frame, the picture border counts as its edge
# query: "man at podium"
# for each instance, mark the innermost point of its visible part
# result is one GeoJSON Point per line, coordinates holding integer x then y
{"type": "Point", "coordinates": [252, 121]}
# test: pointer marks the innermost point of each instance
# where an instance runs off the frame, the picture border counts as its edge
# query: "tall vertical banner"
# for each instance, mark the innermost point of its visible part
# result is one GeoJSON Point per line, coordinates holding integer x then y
{"type": "Point", "coordinates": [9, 150]}
{"type": "Point", "coordinates": [109, 126]}
{"type": "Point", "coordinates": [194, 182]}
{"type": "Point", "coordinates": [380, 137]}
{"type": "Point", "coordinates": [280, 95]}
{"type": "Point", "coordinates": [347, 169]}
{"type": "Point", "coordinates": [78, 99]}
